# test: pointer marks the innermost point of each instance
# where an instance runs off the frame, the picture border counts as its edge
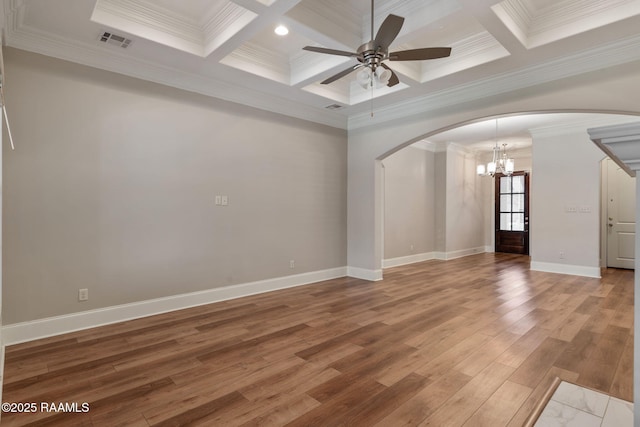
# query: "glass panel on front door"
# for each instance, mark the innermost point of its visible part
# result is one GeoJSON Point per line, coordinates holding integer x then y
{"type": "Point", "coordinates": [512, 203]}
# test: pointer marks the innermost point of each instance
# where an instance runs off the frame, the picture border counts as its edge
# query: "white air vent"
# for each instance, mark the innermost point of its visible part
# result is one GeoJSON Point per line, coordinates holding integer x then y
{"type": "Point", "coordinates": [114, 39]}
{"type": "Point", "coordinates": [333, 107]}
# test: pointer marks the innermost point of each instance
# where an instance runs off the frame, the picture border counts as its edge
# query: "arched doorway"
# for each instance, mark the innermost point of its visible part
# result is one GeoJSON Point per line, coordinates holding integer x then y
{"type": "Point", "coordinates": [466, 224]}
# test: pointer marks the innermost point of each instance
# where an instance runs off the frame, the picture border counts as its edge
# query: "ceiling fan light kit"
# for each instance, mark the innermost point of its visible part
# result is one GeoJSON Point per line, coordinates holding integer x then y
{"type": "Point", "coordinates": [367, 79]}
{"type": "Point", "coordinates": [370, 55]}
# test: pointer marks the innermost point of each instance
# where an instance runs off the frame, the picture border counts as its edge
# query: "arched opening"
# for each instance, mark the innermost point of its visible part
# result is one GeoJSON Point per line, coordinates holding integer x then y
{"type": "Point", "coordinates": [459, 218]}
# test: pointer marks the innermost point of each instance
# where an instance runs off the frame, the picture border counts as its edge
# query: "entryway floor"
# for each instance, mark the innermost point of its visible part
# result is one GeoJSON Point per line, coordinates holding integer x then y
{"type": "Point", "coordinates": [572, 405]}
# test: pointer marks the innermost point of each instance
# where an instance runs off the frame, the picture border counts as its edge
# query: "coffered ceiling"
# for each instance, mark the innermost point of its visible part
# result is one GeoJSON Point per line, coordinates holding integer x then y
{"type": "Point", "coordinates": [227, 48]}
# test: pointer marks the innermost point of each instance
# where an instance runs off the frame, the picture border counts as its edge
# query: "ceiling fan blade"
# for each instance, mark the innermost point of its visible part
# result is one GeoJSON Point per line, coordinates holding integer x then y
{"type": "Point", "coordinates": [341, 74]}
{"type": "Point", "coordinates": [388, 31]}
{"type": "Point", "coordinates": [393, 80]}
{"type": "Point", "coordinates": [329, 51]}
{"type": "Point", "coordinates": [420, 54]}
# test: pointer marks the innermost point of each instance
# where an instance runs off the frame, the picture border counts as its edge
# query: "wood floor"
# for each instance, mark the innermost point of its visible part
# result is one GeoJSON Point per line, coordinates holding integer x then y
{"type": "Point", "coordinates": [469, 342]}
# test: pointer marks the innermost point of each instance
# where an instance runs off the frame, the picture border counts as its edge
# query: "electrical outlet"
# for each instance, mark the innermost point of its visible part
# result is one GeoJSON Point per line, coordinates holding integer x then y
{"type": "Point", "coordinates": [292, 264]}
{"type": "Point", "coordinates": [83, 294]}
{"type": "Point", "coordinates": [218, 200]}
{"type": "Point", "coordinates": [561, 255]}
{"type": "Point", "coordinates": [225, 200]}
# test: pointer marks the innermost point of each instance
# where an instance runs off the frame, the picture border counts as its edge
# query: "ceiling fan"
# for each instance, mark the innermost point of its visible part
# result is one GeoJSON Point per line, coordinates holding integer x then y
{"type": "Point", "coordinates": [370, 55]}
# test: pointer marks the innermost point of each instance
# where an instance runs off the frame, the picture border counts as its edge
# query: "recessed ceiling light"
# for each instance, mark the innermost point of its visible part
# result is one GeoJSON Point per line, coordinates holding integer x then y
{"type": "Point", "coordinates": [281, 30]}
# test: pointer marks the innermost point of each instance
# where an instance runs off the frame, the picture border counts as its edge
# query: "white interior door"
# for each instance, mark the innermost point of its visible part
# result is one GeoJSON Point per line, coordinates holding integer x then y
{"type": "Point", "coordinates": [621, 213]}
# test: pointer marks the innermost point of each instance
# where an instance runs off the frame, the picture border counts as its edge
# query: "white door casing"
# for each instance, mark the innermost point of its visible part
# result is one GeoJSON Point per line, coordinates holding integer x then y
{"type": "Point", "coordinates": [621, 204]}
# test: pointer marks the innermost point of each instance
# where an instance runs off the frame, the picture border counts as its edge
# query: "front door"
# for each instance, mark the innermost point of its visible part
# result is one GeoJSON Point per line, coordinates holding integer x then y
{"type": "Point", "coordinates": [621, 217]}
{"type": "Point", "coordinates": [512, 213]}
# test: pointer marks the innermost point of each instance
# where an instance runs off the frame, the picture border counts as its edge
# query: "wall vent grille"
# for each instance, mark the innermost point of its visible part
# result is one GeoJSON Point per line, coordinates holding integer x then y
{"type": "Point", "coordinates": [115, 40]}
{"type": "Point", "coordinates": [333, 107]}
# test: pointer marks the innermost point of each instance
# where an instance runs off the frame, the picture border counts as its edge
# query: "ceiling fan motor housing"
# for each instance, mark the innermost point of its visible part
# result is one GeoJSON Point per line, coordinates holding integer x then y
{"type": "Point", "coordinates": [371, 55]}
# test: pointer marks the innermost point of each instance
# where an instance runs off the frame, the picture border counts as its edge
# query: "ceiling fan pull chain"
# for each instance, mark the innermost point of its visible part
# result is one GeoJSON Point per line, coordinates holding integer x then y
{"type": "Point", "coordinates": [371, 97]}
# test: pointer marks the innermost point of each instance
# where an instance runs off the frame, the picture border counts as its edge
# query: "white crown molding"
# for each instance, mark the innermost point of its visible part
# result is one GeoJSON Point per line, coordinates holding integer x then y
{"type": "Point", "coordinates": [621, 143]}
{"type": "Point", "coordinates": [148, 20]}
{"type": "Point", "coordinates": [469, 52]}
{"type": "Point", "coordinates": [425, 145]}
{"type": "Point", "coordinates": [561, 19]}
{"type": "Point", "coordinates": [331, 92]}
{"type": "Point", "coordinates": [260, 61]}
{"type": "Point", "coordinates": [579, 126]}
{"type": "Point", "coordinates": [476, 45]}
{"type": "Point", "coordinates": [620, 52]}
{"type": "Point", "coordinates": [520, 11]}
{"type": "Point", "coordinates": [516, 16]}
{"type": "Point", "coordinates": [626, 131]}
{"type": "Point", "coordinates": [307, 66]}
{"type": "Point", "coordinates": [110, 60]}
{"type": "Point", "coordinates": [422, 12]}
{"type": "Point", "coordinates": [224, 24]}
{"type": "Point", "coordinates": [151, 15]}
{"type": "Point", "coordinates": [460, 149]}
{"type": "Point", "coordinates": [440, 147]}
{"type": "Point", "coordinates": [342, 21]}
{"type": "Point", "coordinates": [571, 17]}
{"type": "Point", "coordinates": [20, 36]}
{"type": "Point", "coordinates": [563, 13]}
{"type": "Point", "coordinates": [434, 147]}
{"type": "Point", "coordinates": [400, 8]}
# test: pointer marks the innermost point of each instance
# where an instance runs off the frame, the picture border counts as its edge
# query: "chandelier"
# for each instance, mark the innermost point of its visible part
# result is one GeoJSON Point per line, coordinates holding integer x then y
{"type": "Point", "coordinates": [501, 163]}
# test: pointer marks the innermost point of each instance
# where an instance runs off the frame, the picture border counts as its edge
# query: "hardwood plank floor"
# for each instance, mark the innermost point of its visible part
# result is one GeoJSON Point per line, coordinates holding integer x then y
{"type": "Point", "coordinates": [469, 342]}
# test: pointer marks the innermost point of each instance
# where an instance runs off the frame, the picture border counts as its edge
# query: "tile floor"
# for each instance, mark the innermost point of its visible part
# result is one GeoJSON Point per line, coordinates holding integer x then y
{"type": "Point", "coordinates": [572, 405]}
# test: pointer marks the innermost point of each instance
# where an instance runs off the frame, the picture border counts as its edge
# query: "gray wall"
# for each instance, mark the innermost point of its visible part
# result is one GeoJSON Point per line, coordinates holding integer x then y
{"type": "Point", "coordinates": [434, 202]}
{"type": "Point", "coordinates": [465, 202]}
{"type": "Point", "coordinates": [409, 216]}
{"type": "Point", "coordinates": [112, 188]}
{"type": "Point", "coordinates": [567, 173]}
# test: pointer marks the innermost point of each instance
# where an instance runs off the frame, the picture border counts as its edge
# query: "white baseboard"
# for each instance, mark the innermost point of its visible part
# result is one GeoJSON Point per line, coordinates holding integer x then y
{"type": "Point", "coordinates": [365, 274]}
{"type": "Point", "coordinates": [410, 259]}
{"type": "Point", "coordinates": [459, 254]}
{"type": "Point", "coordinates": [574, 270]}
{"type": "Point", "coordinates": [442, 256]}
{"type": "Point", "coordinates": [51, 326]}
